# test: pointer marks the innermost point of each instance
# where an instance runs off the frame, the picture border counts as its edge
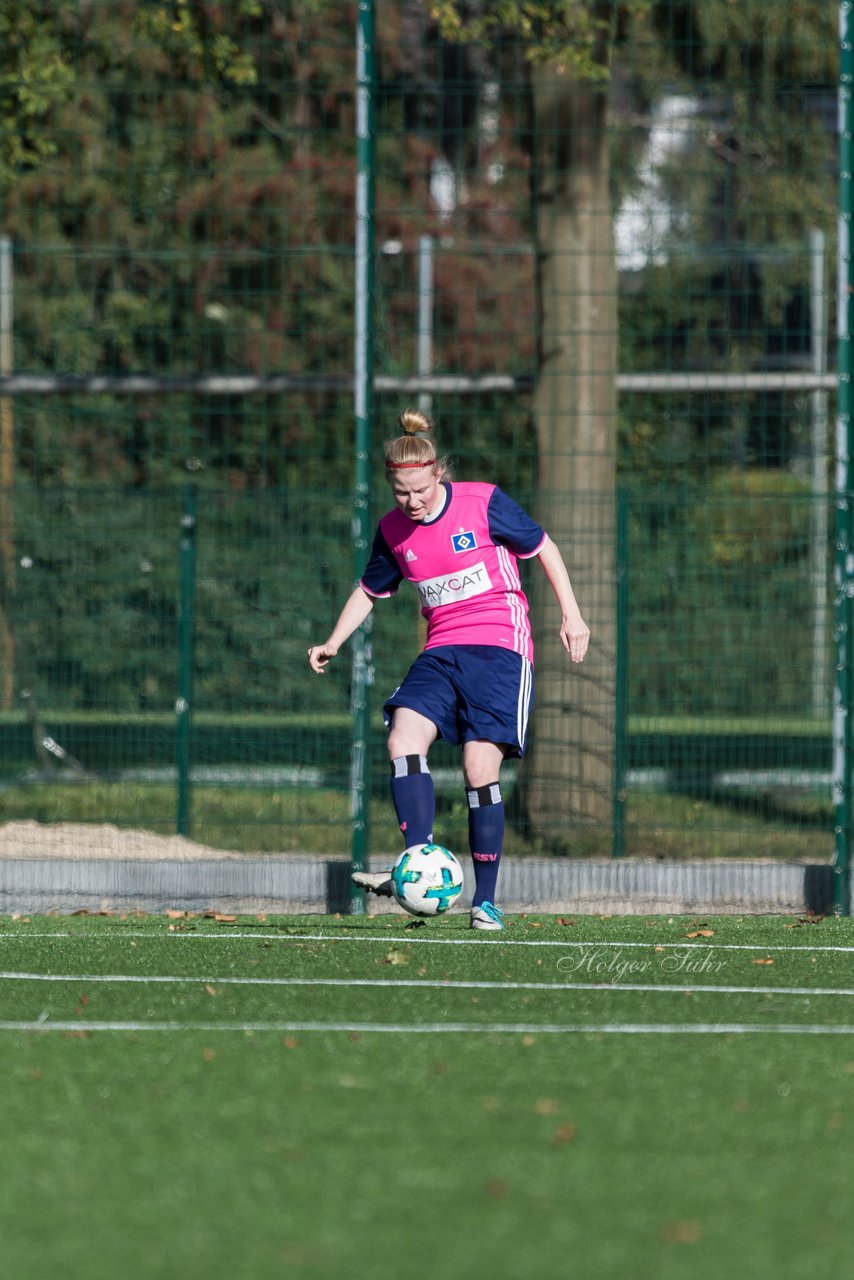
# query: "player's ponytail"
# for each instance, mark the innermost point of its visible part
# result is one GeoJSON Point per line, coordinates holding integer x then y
{"type": "Point", "coordinates": [416, 447]}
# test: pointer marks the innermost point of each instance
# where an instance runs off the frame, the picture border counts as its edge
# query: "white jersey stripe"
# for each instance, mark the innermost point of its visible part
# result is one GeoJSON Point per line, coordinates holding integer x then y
{"type": "Point", "coordinates": [521, 627]}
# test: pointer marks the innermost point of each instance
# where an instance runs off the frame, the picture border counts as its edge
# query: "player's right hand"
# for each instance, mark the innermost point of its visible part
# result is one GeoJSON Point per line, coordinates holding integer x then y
{"type": "Point", "coordinates": [319, 655]}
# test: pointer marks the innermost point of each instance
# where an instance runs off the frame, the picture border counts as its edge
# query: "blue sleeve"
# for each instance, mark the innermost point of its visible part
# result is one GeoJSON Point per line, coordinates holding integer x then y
{"type": "Point", "coordinates": [382, 574]}
{"type": "Point", "coordinates": [511, 526]}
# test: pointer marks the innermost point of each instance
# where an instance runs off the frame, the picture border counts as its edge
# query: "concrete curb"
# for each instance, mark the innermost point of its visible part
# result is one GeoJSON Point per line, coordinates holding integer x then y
{"type": "Point", "coordinates": [292, 883]}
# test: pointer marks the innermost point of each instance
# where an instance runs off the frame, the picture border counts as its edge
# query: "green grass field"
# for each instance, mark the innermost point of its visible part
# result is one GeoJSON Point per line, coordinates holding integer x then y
{"type": "Point", "coordinates": [639, 1098]}
{"type": "Point", "coordinates": [270, 820]}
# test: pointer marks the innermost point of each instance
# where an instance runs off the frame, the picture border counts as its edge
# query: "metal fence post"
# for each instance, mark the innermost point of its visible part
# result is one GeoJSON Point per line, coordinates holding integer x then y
{"type": "Point", "coordinates": [363, 397]}
{"type": "Point", "coordinates": [844, 566]}
{"type": "Point", "coordinates": [186, 631]}
{"type": "Point", "coordinates": [7, 484]}
{"type": "Point", "coordinates": [621, 679]}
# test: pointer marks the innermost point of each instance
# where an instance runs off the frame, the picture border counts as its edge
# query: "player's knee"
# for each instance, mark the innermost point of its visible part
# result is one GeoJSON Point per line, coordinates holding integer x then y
{"type": "Point", "coordinates": [481, 769]}
{"type": "Point", "coordinates": [401, 744]}
{"type": "Point", "coordinates": [407, 739]}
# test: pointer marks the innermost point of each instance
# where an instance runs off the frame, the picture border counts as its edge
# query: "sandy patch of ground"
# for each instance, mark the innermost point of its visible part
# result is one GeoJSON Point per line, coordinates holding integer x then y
{"type": "Point", "coordinates": [79, 840]}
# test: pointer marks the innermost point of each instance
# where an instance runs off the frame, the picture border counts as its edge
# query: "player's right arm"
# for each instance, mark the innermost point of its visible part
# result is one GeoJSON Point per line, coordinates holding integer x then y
{"type": "Point", "coordinates": [351, 617]}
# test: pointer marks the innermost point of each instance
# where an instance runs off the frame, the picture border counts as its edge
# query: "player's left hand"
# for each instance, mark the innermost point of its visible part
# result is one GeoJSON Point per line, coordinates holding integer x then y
{"type": "Point", "coordinates": [319, 655]}
{"type": "Point", "coordinates": [575, 637]}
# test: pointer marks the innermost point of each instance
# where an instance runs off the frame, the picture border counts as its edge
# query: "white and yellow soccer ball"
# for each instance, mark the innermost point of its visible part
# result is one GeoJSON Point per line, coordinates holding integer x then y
{"type": "Point", "coordinates": [426, 880]}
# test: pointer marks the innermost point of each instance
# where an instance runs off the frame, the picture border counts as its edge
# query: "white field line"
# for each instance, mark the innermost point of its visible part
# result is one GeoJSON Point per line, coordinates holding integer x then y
{"type": "Point", "coordinates": [437, 1028]}
{"type": "Point", "coordinates": [492, 941]}
{"type": "Point", "coordinates": [430, 983]}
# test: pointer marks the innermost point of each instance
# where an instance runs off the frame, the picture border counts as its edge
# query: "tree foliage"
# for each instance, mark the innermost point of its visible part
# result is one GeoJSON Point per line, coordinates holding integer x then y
{"type": "Point", "coordinates": [177, 180]}
{"type": "Point", "coordinates": [566, 34]}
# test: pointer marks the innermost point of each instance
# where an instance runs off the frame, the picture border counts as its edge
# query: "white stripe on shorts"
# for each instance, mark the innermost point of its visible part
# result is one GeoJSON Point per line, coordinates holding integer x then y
{"type": "Point", "coordinates": [523, 707]}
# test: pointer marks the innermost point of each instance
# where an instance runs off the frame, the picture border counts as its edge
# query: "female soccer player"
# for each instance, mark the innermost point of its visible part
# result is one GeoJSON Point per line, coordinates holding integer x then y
{"type": "Point", "coordinates": [473, 684]}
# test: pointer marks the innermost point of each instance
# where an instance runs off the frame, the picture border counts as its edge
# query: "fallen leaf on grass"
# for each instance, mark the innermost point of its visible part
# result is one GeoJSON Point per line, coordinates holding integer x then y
{"type": "Point", "coordinates": [497, 1188]}
{"type": "Point", "coordinates": [208, 1054]}
{"type": "Point", "coordinates": [763, 960]}
{"type": "Point", "coordinates": [220, 917]}
{"type": "Point", "coordinates": [700, 933]}
{"type": "Point", "coordinates": [212, 991]}
{"type": "Point", "coordinates": [687, 1232]}
{"type": "Point", "coordinates": [565, 921]}
{"type": "Point", "coordinates": [563, 1134]}
{"type": "Point", "coordinates": [290, 1042]}
{"type": "Point", "coordinates": [77, 1035]}
{"type": "Point", "coordinates": [535, 924]}
{"type": "Point", "coordinates": [547, 1106]}
{"type": "Point", "coordinates": [175, 915]}
{"type": "Point", "coordinates": [395, 957]}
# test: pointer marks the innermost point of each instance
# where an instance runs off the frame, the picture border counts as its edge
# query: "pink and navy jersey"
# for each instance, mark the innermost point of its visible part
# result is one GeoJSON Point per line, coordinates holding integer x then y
{"type": "Point", "coordinates": [464, 566]}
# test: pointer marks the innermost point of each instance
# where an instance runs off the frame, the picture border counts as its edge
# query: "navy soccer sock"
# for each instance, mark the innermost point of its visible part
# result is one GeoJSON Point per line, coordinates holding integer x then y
{"type": "Point", "coordinates": [414, 798]}
{"type": "Point", "coordinates": [486, 836]}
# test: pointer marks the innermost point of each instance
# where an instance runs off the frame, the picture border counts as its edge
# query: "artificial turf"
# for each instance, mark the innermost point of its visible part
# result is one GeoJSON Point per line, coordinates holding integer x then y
{"type": "Point", "coordinates": [606, 1130]}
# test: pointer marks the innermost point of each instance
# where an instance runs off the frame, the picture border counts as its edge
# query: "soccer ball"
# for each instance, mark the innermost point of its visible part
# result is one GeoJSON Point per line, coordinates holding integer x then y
{"type": "Point", "coordinates": [426, 880]}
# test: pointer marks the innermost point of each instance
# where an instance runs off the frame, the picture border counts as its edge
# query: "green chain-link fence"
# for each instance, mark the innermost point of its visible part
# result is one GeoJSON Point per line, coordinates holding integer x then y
{"type": "Point", "coordinates": [717, 624]}
{"type": "Point", "coordinates": [613, 291]}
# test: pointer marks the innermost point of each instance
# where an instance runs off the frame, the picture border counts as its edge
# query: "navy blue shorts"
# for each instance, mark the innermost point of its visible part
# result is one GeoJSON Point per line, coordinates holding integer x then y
{"type": "Point", "coordinates": [470, 691]}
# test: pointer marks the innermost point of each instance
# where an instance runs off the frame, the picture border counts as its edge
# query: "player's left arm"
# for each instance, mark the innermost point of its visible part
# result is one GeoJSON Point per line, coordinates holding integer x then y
{"type": "Point", "coordinates": [509, 524]}
{"type": "Point", "coordinates": [574, 632]}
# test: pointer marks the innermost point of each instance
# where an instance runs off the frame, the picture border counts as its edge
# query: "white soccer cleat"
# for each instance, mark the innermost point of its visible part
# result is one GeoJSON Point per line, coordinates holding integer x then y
{"type": "Point", "coordinates": [487, 916]}
{"type": "Point", "coordinates": [378, 882]}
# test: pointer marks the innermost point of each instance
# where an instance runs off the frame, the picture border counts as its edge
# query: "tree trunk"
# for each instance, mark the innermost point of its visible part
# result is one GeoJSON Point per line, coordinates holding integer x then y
{"type": "Point", "coordinates": [569, 772]}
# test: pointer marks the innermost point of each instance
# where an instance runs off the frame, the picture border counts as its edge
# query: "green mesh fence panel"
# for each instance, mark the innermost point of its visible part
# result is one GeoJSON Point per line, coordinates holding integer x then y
{"type": "Point", "coordinates": [614, 291]}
